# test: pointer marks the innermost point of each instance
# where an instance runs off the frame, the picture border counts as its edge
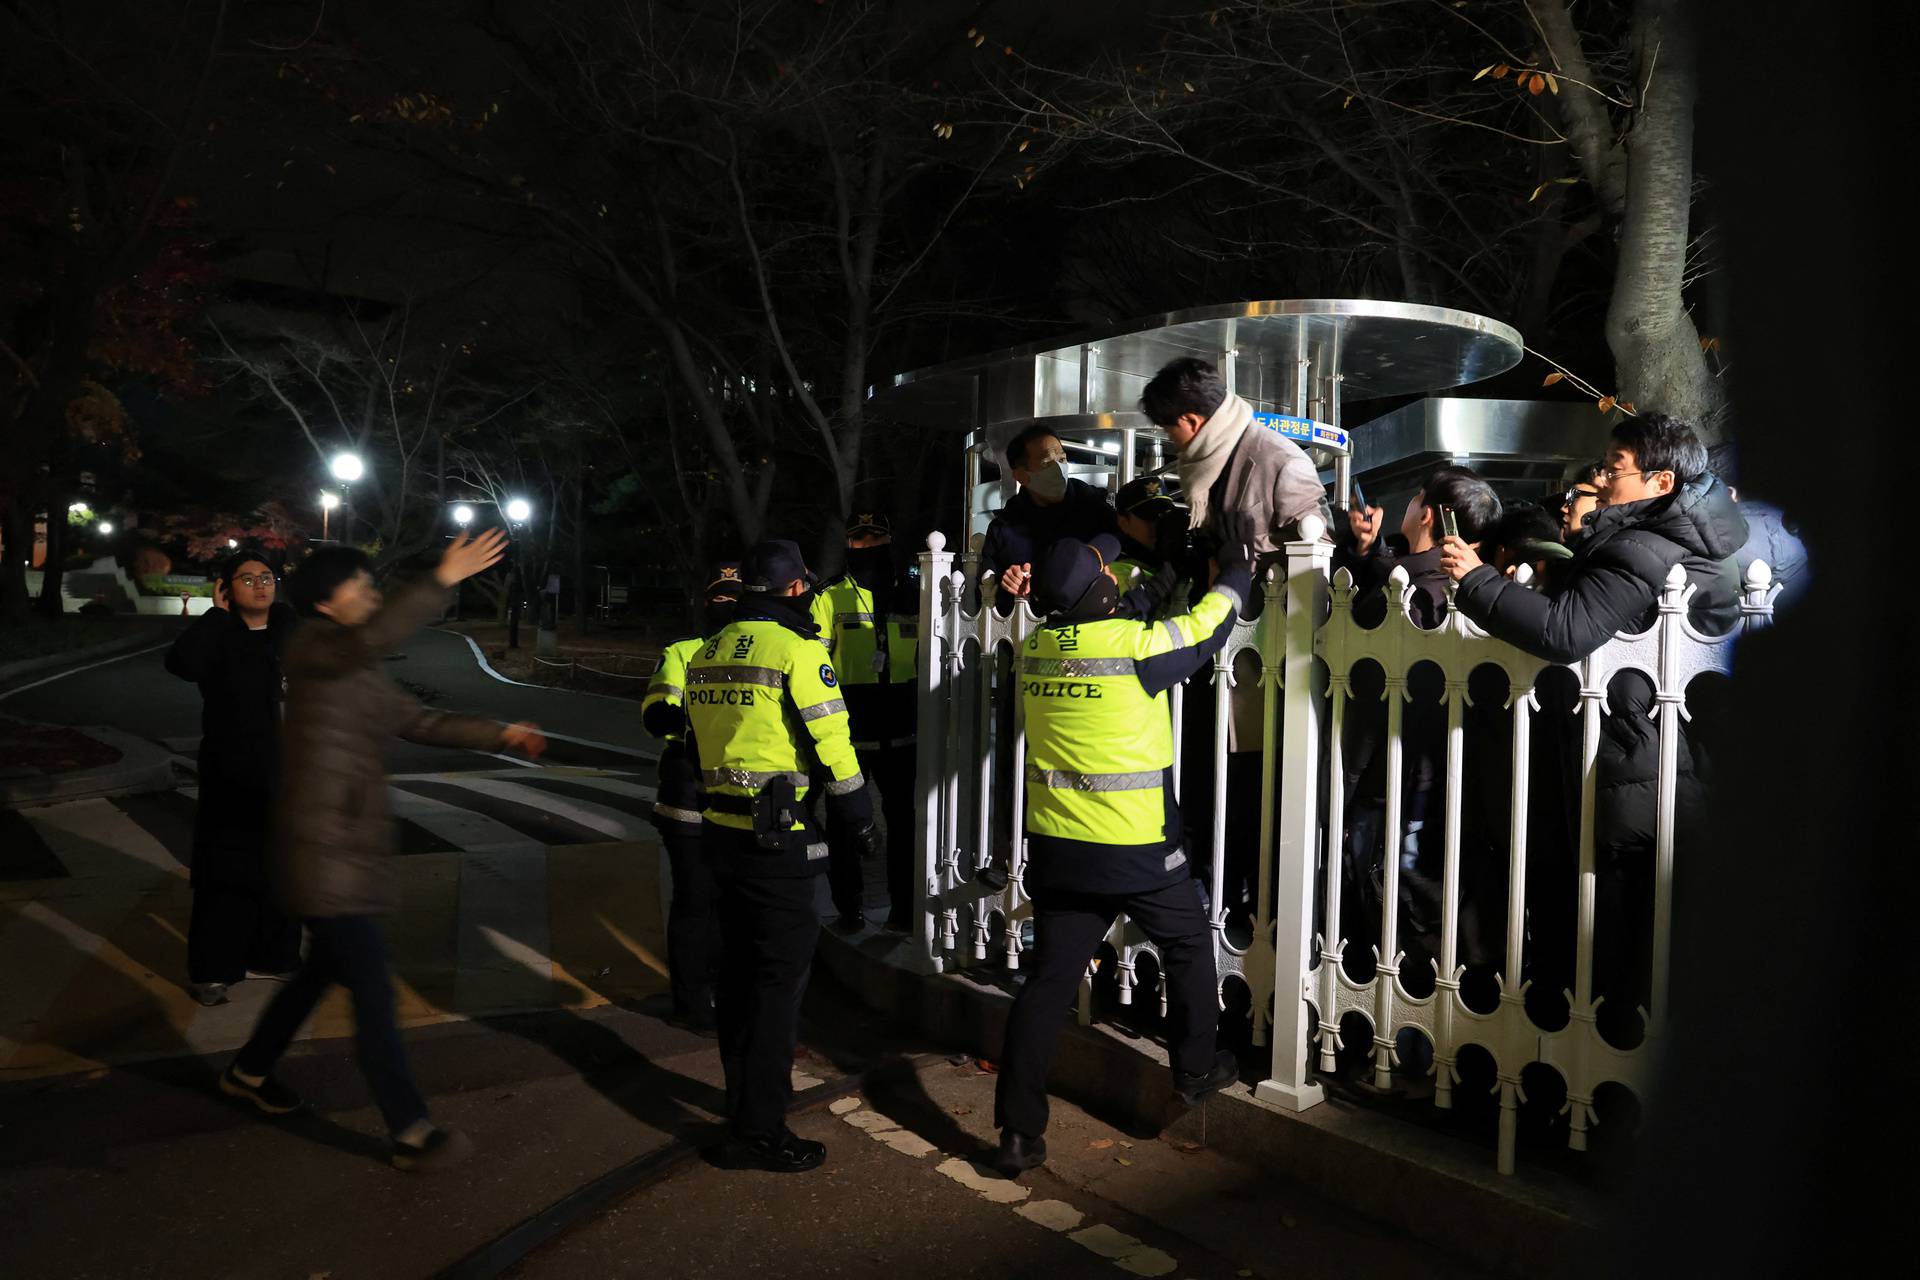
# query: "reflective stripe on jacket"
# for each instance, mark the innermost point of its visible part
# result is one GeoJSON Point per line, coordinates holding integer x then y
{"type": "Point", "coordinates": [1101, 815]}
{"type": "Point", "coordinates": [678, 797]}
{"type": "Point", "coordinates": [668, 682]}
{"type": "Point", "coordinates": [880, 694]}
{"type": "Point", "coordinates": [762, 703]}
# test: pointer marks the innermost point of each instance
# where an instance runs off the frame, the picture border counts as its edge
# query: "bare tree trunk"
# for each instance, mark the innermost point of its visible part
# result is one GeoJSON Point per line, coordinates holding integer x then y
{"type": "Point", "coordinates": [1656, 348]}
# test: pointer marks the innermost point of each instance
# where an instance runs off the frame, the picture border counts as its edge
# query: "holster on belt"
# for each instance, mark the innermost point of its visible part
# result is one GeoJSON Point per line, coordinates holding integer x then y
{"type": "Point", "coordinates": [775, 810]}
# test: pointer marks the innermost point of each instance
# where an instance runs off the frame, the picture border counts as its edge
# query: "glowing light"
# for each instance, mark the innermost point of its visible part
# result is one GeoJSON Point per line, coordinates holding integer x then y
{"type": "Point", "coordinates": [519, 510]}
{"type": "Point", "coordinates": [347, 467]}
{"type": "Point", "coordinates": [328, 501]}
{"type": "Point", "coordinates": [106, 526]}
{"type": "Point", "coordinates": [463, 515]}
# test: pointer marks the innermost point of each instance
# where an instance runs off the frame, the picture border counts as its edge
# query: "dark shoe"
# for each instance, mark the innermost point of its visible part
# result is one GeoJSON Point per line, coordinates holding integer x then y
{"type": "Point", "coordinates": [850, 922]}
{"type": "Point", "coordinates": [993, 876]}
{"type": "Point", "coordinates": [1019, 1153]}
{"type": "Point", "coordinates": [442, 1149]}
{"type": "Point", "coordinates": [269, 1096]}
{"type": "Point", "coordinates": [787, 1153]}
{"type": "Point", "coordinates": [209, 994]}
{"type": "Point", "coordinates": [1191, 1088]}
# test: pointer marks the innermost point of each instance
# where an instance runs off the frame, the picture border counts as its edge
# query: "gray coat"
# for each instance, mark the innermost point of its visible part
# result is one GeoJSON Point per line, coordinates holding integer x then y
{"type": "Point", "coordinates": [1271, 482]}
{"type": "Point", "coordinates": [333, 829]}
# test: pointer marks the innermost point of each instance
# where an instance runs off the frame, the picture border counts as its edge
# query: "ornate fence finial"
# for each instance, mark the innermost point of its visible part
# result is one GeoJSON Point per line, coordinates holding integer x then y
{"type": "Point", "coordinates": [936, 541]}
{"type": "Point", "coordinates": [1312, 528]}
{"type": "Point", "coordinates": [1759, 576]}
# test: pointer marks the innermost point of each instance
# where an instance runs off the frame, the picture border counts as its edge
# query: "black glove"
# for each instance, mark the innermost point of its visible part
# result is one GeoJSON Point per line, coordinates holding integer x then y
{"type": "Point", "coordinates": [1236, 533]}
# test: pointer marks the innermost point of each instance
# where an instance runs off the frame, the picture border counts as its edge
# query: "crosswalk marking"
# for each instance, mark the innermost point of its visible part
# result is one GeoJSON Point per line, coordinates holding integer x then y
{"type": "Point", "coordinates": [613, 823]}
{"type": "Point", "coordinates": [633, 790]}
{"type": "Point", "coordinates": [462, 828]}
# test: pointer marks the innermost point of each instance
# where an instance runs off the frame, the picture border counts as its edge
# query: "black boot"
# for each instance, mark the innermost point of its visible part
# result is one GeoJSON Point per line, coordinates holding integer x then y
{"type": "Point", "coordinates": [1191, 1088]}
{"type": "Point", "coordinates": [782, 1153]}
{"type": "Point", "coordinates": [1018, 1153]}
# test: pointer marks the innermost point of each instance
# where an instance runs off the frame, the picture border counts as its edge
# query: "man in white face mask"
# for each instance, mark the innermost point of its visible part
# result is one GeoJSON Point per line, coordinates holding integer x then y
{"type": "Point", "coordinates": [1049, 507]}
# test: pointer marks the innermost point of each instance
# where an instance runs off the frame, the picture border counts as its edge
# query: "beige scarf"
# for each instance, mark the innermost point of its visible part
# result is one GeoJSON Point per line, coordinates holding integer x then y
{"type": "Point", "coordinates": [1205, 456]}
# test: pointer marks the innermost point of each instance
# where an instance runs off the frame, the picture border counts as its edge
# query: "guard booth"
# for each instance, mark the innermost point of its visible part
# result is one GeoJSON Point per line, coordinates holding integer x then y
{"type": "Point", "coordinates": [1294, 362]}
{"type": "Point", "coordinates": [1294, 959]}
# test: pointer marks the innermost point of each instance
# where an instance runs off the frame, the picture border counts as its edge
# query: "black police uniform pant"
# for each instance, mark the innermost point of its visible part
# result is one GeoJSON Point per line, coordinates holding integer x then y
{"type": "Point", "coordinates": [1068, 929]}
{"type": "Point", "coordinates": [768, 925]}
{"type": "Point", "coordinates": [892, 770]}
{"type": "Point", "coordinates": [693, 921]}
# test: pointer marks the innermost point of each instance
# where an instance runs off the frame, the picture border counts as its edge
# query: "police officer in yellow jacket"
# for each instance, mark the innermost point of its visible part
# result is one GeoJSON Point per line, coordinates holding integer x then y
{"type": "Point", "coordinates": [763, 705]}
{"type": "Point", "coordinates": [868, 618]}
{"type": "Point", "coordinates": [1103, 826]}
{"type": "Point", "coordinates": [693, 929]}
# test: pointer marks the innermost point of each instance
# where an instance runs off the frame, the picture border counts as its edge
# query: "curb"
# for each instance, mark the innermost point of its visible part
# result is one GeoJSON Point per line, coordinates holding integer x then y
{"type": "Point", "coordinates": [1432, 1187]}
{"type": "Point", "coordinates": [12, 671]}
{"type": "Point", "coordinates": [142, 766]}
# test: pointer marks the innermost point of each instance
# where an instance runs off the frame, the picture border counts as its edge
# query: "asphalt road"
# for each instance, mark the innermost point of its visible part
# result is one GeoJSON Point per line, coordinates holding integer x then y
{"type": "Point", "coordinates": [137, 695]}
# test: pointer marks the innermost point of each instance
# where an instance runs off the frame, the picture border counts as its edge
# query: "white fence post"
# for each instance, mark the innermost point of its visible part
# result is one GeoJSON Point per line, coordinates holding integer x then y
{"type": "Point", "coordinates": [1307, 564]}
{"type": "Point", "coordinates": [933, 762]}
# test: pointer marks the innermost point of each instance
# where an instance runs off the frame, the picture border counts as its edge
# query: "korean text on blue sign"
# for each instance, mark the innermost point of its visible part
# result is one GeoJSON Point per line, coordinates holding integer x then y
{"type": "Point", "coordinates": [1303, 430]}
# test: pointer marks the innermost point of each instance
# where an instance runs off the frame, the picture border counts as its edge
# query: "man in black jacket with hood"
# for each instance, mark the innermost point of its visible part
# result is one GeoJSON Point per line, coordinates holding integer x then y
{"type": "Point", "coordinates": [1663, 507]}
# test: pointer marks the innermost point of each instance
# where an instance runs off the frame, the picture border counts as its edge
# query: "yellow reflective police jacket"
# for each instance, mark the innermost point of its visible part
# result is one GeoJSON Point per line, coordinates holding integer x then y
{"type": "Point", "coordinates": [875, 663]}
{"type": "Point", "coordinates": [1101, 814]}
{"type": "Point", "coordinates": [762, 702]}
{"type": "Point", "coordinates": [1131, 573]}
{"type": "Point", "coordinates": [668, 683]}
{"type": "Point", "coordinates": [677, 797]}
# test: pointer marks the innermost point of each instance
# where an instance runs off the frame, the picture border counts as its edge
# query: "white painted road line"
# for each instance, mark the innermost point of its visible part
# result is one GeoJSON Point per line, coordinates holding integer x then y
{"type": "Point", "coordinates": [613, 823]}
{"type": "Point", "coordinates": [461, 828]}
{"type": "Point", "coordinates": [74, 671]}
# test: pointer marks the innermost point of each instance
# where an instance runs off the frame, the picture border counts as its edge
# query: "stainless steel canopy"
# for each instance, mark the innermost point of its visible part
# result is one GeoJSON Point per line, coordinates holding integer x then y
{"type": "Point", "coordinates": [1300, 357]}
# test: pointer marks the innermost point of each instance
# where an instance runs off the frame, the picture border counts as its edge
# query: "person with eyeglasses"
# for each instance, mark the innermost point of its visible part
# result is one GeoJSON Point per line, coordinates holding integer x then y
{"type": "Point", "coordinates": [1580, 500]}
{"type": "Point", "coordinates": [233, 651]}
{"type": "Point", "coordinates": [1664, 508]}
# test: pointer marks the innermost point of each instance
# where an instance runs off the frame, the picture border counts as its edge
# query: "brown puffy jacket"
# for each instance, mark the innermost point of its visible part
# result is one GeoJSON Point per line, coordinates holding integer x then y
{"type": "Point", "coordinates": [333, 831]}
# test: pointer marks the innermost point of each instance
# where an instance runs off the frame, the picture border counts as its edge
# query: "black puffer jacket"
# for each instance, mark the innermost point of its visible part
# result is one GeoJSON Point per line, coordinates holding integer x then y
{"type": "Point", "coordinates": [238, 671]}
{"type": "Point", "coordinates": [1614, 580]}
{"type": "Point", "coordinates": [1613, 584]}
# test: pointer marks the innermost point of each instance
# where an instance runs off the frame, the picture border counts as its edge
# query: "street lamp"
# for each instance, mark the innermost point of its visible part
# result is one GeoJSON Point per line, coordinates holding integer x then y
{"type": "Point", "coordinates": [463, 515]}
{"type": "Point", "coordinates": [347, 467]}
{"type": "Point", "coordinates": [328, 501]}
{"type": "Point", "coordinates": [519, 511]}
{"type": "Point", "coordinates": [233, 544]}
{"type": "Point", "coordinates": [106, 526]}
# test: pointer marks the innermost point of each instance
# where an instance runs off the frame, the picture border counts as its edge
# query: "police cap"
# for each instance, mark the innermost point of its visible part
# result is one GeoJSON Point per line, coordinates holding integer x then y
{"type": "Point", "coordinates": [1145, 497]}
{"type": "Point", "coordinates": [725, 580]}
{"type": "Point", "coordinates": [1068, 569]}
{"type": "Point", "coordinates": [773, 566]}
{"type": "Point", "coordinates": [869, 522]}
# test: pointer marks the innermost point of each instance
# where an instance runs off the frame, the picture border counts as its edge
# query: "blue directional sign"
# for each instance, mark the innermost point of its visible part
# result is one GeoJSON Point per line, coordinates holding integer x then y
{"type": "Point", "coordinates": [1304, 430]}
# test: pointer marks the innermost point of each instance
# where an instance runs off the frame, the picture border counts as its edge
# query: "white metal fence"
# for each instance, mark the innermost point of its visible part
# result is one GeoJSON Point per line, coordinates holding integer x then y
{"type": "Point", "coordinates": [969, 737]}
